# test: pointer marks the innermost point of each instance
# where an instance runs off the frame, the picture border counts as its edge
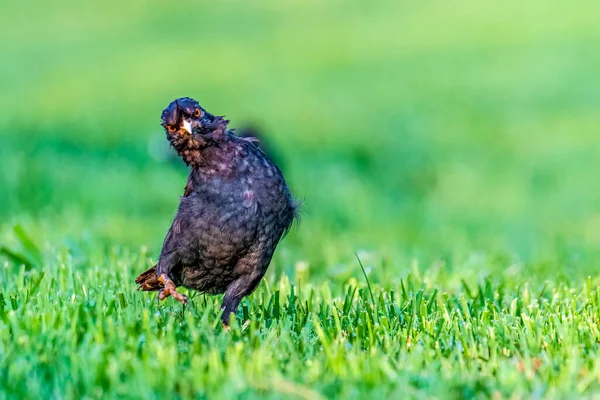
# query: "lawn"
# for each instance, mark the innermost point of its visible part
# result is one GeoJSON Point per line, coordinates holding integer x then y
{"type": "Point", "coordinates": [447, 156]}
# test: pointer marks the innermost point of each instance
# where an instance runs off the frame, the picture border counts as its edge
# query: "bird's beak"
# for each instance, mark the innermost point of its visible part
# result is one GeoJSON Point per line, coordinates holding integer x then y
{"type": "Point", "coordinates": [187, 126]}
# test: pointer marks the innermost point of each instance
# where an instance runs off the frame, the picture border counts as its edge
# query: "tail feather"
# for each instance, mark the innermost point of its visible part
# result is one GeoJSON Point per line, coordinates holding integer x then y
{"type": "Point", "coordinates": [148, 281]}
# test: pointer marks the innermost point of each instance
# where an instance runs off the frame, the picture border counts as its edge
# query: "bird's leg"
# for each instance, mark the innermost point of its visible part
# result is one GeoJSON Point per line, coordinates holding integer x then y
{"type": "Point", "coordinates": [167, 261]}
{"type": "Point", "coordinates": [240, 288]}
{"type": "Point", "coordinates": [230, 305]}
{"type": "Point", "coordinates": [170, 289]}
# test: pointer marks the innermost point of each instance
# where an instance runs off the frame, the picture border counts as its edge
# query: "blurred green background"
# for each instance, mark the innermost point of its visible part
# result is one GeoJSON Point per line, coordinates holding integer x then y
{"type": "Point", "coordinates": [432, 131]}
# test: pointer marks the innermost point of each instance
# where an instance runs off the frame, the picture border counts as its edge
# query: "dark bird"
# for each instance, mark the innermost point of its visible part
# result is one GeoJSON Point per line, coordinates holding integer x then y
{"type": "Point", "coordinates": [235, 209]}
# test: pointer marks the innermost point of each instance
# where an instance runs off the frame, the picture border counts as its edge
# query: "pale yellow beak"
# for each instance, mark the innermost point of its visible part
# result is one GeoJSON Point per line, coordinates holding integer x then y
{"type": "Point", "coordinates": [187, 126]}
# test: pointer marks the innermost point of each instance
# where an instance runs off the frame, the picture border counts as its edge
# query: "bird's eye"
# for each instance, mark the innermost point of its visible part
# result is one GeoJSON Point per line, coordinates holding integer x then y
{"type": "Point", "coordinates": [197, 113]}
{"type": "Point", "coordinates": [171, 128]}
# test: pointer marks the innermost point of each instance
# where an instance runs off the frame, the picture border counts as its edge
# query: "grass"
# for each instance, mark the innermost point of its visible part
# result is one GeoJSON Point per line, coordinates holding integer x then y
{"type": "Point", "coordinates": [81, 331]}
{"type": "Point", "coordinates": [451, 146]}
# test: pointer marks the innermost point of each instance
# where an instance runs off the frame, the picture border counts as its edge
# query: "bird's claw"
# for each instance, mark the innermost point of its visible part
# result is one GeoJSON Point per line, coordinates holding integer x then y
{"type": "Point", "coordinates": [170, 290]}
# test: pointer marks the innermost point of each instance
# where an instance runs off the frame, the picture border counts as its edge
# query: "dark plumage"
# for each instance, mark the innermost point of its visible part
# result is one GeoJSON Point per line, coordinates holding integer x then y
{"type": "Point", "coordinates": [235, 208]}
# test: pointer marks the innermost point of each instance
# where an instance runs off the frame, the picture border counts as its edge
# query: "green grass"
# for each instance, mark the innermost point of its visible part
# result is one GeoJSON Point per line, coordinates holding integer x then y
{"type": "Point", "coordinates": [452, 145]}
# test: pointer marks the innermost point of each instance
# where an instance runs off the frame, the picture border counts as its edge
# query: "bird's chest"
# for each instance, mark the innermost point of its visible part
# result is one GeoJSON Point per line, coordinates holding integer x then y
{"type": "Point", "coordinates": [229, 203]}
{"type": "Point", "coordinates": [238, 189]}
{"type": "Point", "coordinates": [223, 217]}
{"type": "Point", "coordinates": [235, 182]}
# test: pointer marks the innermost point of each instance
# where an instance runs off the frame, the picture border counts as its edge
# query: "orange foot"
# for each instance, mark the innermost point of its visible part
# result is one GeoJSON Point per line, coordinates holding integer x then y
{"type": "Point", "coordinates": [170, 290]}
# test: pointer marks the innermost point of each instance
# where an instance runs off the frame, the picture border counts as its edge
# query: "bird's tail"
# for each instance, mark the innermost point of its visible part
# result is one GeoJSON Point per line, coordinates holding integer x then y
{"type": "Point", "coordinates": [148, 281]}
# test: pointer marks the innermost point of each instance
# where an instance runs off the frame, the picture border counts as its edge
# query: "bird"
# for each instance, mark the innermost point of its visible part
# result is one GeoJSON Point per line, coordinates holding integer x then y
{"type": "Point", "coordinates": [235, 209]}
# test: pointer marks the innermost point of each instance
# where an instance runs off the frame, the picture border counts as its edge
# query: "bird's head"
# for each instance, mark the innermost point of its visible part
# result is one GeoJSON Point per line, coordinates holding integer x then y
{"type": "Point", "coordinates": [182, 118]}
{"type": "Point", "coordinates": [189, 127]}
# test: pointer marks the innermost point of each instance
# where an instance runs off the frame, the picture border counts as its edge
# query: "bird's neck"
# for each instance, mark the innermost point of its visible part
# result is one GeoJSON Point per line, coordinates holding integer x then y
{"type": "Point", "coordinates": [190, 150]}
{"type": "Point", "coordinates": [198, 150]}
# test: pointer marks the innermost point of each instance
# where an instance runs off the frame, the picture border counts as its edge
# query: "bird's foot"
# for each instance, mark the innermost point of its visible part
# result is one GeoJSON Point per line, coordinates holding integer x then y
{"type": "Point", "coordinates": [170, 290]}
